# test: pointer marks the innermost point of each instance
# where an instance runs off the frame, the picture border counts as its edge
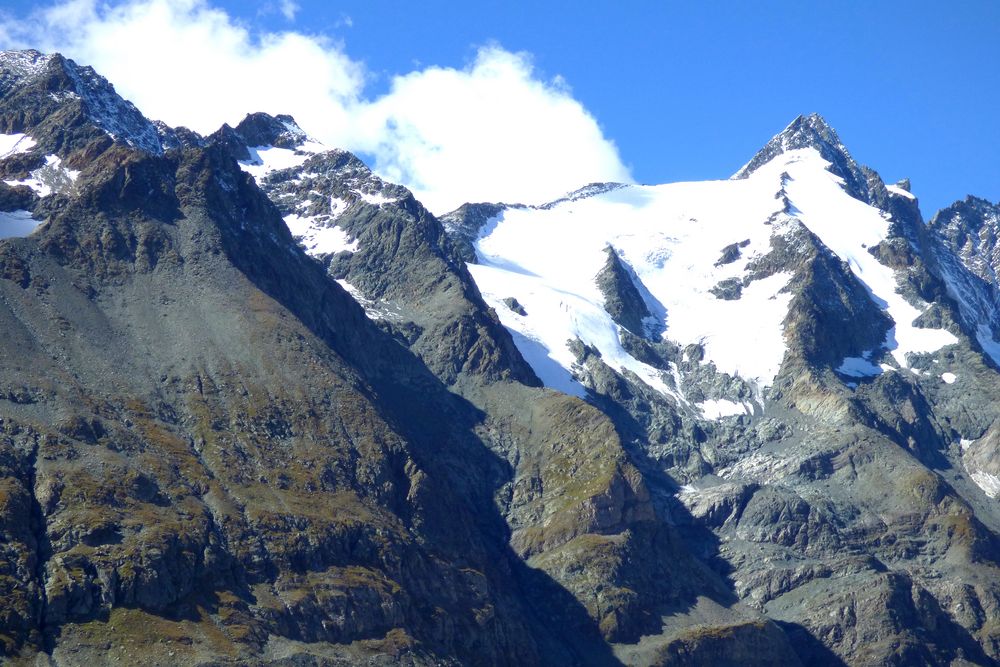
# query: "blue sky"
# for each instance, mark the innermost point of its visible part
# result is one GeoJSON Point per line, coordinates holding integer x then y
{"type": "Point", "coordinates": [690, 90]}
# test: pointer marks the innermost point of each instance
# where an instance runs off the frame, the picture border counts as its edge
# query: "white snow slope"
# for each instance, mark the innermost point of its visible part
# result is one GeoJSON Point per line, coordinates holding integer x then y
{"type": "Point", "coordinates": [672, 236]}
{"type": "Point", "coordinates": [15, 224]}
{"type": "Point", "coordinates": [12, 144]}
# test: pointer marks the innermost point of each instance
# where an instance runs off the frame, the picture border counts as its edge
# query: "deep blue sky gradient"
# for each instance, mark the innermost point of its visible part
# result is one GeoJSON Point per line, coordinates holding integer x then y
{"type": "Point", "coordinates": [690, 90]}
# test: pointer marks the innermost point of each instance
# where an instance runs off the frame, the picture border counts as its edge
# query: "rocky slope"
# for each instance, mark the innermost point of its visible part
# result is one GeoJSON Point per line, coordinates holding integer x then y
{"type": "Point", "coordinates": [577, 506]}
{"type": "Point", "coordinates": [854, 470]}
{"type": "Point", "coordinates": [261, 407]}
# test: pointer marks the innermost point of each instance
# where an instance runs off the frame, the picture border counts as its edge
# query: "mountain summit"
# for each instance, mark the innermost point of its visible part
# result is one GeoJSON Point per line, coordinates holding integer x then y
{"type": "Point", "coordinates": [258, 406]}
{"type": "Point", "coordinates": [812, 131]}
{"type": "Point", "coordinates": [64, 104]}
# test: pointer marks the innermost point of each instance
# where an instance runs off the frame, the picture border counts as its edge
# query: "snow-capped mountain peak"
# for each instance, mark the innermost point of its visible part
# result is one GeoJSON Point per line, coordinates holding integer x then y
{"type": "Point", "coordinates": [263, 143]}
{"type": "Point", "coordinates": [60, 94]}
{"type": "Point", "coordinates": [785, 410]}
{"type": "Point", "coordinates": [812, 131]}
{"type": "Point", "coordinates": [20, 67]}
{"type": "Point", "coordinates": [713, 265]}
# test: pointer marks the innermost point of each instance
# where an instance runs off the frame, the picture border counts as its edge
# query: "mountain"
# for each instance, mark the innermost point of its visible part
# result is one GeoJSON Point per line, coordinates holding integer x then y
{"type": "Point", "coordinates": [260, 406]}
{"type": "Point", "coordinates": [823, 388]}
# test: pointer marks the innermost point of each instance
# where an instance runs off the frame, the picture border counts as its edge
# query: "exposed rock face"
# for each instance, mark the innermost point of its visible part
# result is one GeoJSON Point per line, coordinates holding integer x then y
{"type": "Point", "coordinates": [515, 306]}
{"type": "Point", "coordinates": [971, 229]}
{"type": "Point", "coordinates": [269, 418]}
{"type": "Point", "coordinates": [68, 107]}
{"type": "Point", "coordinates": [982, 461]}
{"type": "Point", "coordinates": [246, 452]}
{"type": "Point", "coordinates": [464, 224]}
{"type": "Point", "coordinates": [403, 266]}
{"type": "Point", "coordinates": [622, 298]}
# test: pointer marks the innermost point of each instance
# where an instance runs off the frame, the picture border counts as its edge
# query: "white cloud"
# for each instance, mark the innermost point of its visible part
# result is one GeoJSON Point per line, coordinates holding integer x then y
{"type": "Point", "coordinates": [289, 9]}
{"type": "Point", "coordinates": [493, 131]}
{"type": "Point", "coordinates": [185, 63]}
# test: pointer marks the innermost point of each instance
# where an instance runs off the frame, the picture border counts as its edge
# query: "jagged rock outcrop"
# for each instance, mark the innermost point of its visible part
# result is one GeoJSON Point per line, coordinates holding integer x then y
{"type": "Point", "coordinates": [464, 224]}
{"type": "Point", "coordinates": [68, 107]}
{"type": "Point", "coordinates": [622, 298]}
{"type": "Point", "coordinates": [971, 229]}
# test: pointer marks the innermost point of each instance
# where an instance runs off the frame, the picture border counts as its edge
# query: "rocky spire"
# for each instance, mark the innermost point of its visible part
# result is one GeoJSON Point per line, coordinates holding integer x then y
{"type": "Point", "coordinates": [622, 298]}
{"type": "Point", "coordinates": [813, 131]}
{"type": "Point", "coordinates": [281, 131]}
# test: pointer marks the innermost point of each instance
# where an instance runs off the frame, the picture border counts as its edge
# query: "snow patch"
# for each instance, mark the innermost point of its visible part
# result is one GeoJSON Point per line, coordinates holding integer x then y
{"type": "Point", "coordinates": [312, 147]}
{"type": "Point", "coordinates": [12, 144]}
{"type": "Point", "coordinates": [717, 409]}
{"type": "Point", "coordinates": [989, 483]}
{"type": "Point", "coordinates": [375, 198]}
{"type": "Point", "coordinates": [337, 207]}
{"type": "Point", "coordinates": [64, 95]}
{"type": "Point", "coordinates": [988, 343]}
{"type": "Point", "coordinates": [859, 367]}
{"type": "Point", "coordinates": [896, 190]}
{"type": "Point", "coordinates": [375, 310]}
{"type": "Point", "coordinates": [265, 159]}
{"type": "Point", "coordinates": [16, 224]}
{"type": "Point", "coordinates": [319, 239]}
{"type": "Point", "coordinates": [351, 289]}
{"type": "Point", "coordinates": [949, 378]}
{"type": "Point", "coordinates": [52, 177]}
{"type": "Point", "coordinates": [761, 467]}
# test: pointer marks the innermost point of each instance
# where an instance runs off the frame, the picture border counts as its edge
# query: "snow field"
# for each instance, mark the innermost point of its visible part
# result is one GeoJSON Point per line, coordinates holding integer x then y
{"type": "Point", "coordinates": [15, 224]}
{"type": "Point", "coordinates": [12, 144]}
{"type": "Point", "coordinates": [672, 237]}
{"type": "Point", "coordinates": [52, 177]}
